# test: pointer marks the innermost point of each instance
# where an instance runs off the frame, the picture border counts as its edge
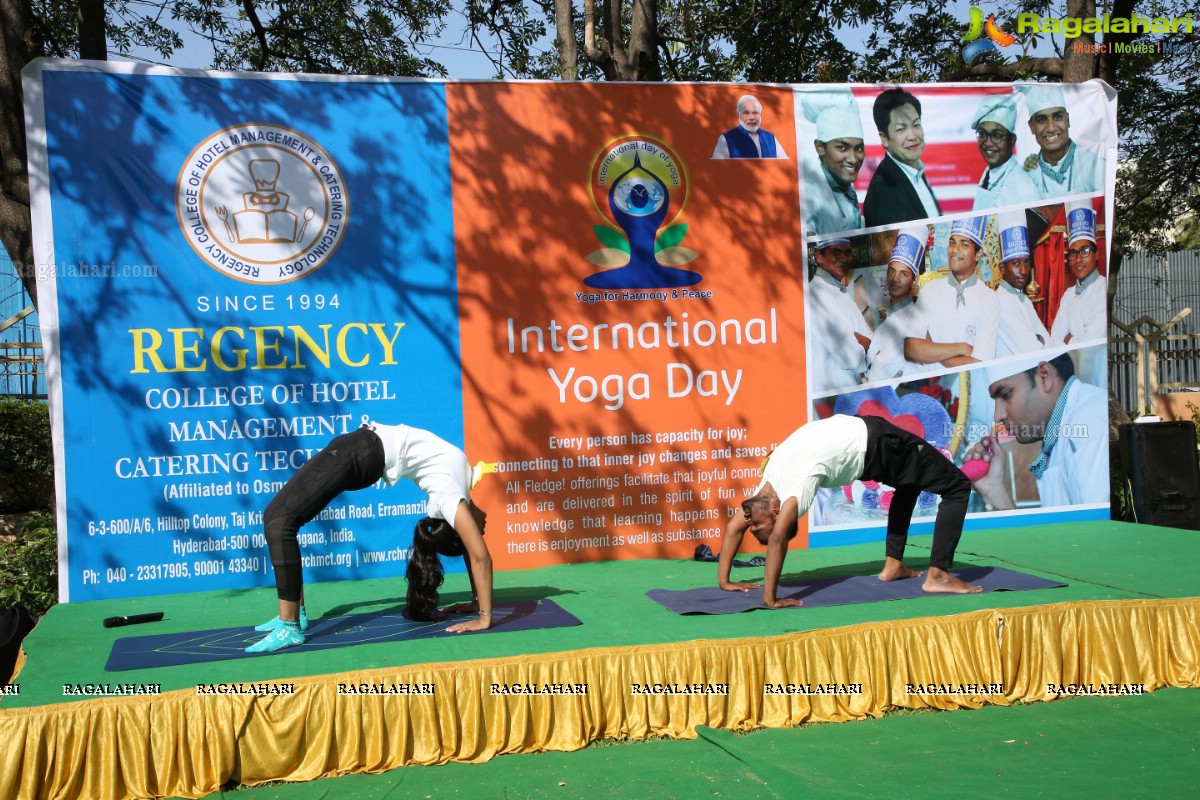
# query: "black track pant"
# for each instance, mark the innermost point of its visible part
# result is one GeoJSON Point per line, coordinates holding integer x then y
{"type": "Point", "coordinates": [911, 465]}
{"type": "Point", "coordinates": [349, 462]}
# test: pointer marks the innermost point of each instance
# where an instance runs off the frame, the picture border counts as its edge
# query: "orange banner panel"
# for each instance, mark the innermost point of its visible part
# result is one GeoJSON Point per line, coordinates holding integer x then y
{"type": "Point", "coordinates": [631, 312]}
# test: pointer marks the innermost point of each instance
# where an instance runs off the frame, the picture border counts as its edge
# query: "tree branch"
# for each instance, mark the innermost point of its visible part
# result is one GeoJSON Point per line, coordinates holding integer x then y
{"type": "Point", "coordinates": [260, 33]}
{"type": "Point", "coordinates": [1050, 67]}
{"type": "Point", "coordinates": [594, 53]}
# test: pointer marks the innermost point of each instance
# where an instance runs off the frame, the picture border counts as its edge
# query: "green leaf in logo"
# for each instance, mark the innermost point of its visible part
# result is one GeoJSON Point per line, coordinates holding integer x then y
{"type": "Point", "coordinates": [670, 237]}
{"type": "Point", "coordinates": [611, 239]}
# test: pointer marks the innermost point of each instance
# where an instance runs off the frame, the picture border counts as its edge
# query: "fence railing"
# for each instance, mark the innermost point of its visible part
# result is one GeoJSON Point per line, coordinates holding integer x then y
{"type": "Point", "coordinates": [1150, 359]}
{"type": "Point", "coordinates": [22, 369]}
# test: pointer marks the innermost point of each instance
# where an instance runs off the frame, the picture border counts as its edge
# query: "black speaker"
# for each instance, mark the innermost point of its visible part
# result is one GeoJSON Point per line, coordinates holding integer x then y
{"type": "Point", "coordinates": [15, 625]}
{"type": "Point", "coordinates": [1162, 473]}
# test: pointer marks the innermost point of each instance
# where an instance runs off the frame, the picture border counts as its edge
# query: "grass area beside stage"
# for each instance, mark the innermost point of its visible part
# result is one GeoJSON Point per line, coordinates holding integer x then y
{"type": "Point", "coordinates": [1098, 560]}
{"type": "Point", "coordinates": [1143, 746]}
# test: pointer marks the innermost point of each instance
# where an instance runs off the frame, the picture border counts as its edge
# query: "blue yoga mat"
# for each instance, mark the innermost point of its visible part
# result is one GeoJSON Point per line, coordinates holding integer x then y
{"type": "Point", "coordinates": [840, 591]}
{"type": "Point", "coordinates": [196, 647]}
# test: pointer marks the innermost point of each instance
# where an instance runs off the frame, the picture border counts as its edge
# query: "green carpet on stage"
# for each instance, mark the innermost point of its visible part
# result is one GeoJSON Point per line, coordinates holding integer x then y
{"type": "Point", "coordinates": [1071, 748]}
{"type": "Point", "coordinates": [608, 598]}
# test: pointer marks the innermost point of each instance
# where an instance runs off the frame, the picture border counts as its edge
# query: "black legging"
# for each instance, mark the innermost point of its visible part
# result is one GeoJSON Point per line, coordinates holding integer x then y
{"type": "Point", "coordinates": [911, 465]}
{"type": "Point", "coordinates": [349, 462]}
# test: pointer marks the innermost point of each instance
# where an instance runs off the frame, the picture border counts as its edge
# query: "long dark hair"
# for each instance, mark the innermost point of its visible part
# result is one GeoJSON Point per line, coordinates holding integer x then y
{"type": "Point", "coordinates": [431, 538]}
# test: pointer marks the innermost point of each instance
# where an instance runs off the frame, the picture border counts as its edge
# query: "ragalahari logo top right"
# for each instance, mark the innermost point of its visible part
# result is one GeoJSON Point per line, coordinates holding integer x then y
{"type": "Point", "coordinates": [996, 38]}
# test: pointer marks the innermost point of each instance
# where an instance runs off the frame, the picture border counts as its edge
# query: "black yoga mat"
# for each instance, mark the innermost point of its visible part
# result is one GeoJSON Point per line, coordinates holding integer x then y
{"type": "Point", "coordinates": [195, 647]}
{"type": "Point", "coordinates": [840, 591]}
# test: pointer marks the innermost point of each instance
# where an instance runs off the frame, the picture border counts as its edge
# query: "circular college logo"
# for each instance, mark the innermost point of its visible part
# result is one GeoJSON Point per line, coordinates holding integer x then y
{"type": "Point", "coordinates": [261, 203]}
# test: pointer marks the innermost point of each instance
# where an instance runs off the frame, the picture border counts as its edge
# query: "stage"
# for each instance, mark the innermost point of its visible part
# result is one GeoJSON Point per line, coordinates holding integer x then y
{"type": "Point", "coordinates": [1126, 621]}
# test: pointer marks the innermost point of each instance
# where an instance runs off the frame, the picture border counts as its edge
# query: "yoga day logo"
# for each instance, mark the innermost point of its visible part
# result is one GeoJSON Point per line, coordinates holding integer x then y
{"type": "Point", "coordinates": [261, 203]}
{"type": "Point", "coordinates": [640, 187]}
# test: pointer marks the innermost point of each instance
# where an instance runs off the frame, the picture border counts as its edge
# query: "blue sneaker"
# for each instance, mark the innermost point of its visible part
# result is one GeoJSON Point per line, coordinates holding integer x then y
{"type": "Point", "coordinates": [275, 623]}
{"type": "Point", "coordinates": [286, 635]}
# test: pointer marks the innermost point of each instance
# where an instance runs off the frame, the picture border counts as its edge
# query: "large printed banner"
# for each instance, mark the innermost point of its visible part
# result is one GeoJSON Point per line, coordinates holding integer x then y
{"type": "Point", "coordinates": [606, 290]}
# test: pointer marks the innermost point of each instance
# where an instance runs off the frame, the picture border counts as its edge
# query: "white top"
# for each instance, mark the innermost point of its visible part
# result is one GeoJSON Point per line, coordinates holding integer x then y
{"type": "Point", "coordinates": [722, 148]}
{"type": "Point", "coordinates": [826, 211]}
{"type": "Point", "coordinates": [1008, 185]}
{"type": "Point", "coordinates": [1083, 315]}
{"type": "Point", "coordinates": [1078, 468]}
{"type": "Point", "coordinates": [1085, 176]}
{"type": "Point", "coordinates": [1019, 324]}
{"type": "Point", "coordinates": [838, 360]}
{"type": "Point", "coordinates": [886, 353]}
{"type": "Point", "coordinates": [827, 453]}
{"type": "Point", "coordinates": [439, 468]}
{"type": "Point", "coordinates": [975, 322]}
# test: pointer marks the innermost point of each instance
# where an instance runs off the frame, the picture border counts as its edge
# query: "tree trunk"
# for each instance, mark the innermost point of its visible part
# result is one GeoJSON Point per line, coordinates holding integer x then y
{"type": "Point", "coordinates": [1108, 61]}
{"type": "Point", "coordinates": [20, 43]}
{"type": "Point", "coordinates": [93, 34]}
{"type": "Point", "coordinates": [643, 63]}
{"type": "Point", "coordinates": [637, 62]}
{"type": "Point", "coordinates": [568, 48]}
{"type": "Point", "coordinates": [1080, 66]}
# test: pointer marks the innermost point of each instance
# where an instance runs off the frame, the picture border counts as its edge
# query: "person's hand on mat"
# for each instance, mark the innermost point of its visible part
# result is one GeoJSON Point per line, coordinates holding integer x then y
{"type": "Point", "coordinates": [784, 602]}
{"type": "Point", "coordinates": [740, 586]}
{"type": "Point", "coordinates": [477, 624]}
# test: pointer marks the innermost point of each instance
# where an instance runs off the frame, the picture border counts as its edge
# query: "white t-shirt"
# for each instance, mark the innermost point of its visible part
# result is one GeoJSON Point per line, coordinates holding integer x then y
{"type": "Point", "coordinates": [826, 453]}
{"type": "Point", "coordinates": [439, 468]}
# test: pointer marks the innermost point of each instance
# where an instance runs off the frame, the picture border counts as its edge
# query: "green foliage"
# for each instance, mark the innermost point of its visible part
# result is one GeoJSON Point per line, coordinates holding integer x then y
{"type": "Point", "coordinates": [1120, 501]}
{"type": "Point", "coordinates": [366, 37]}
{"type": "Point", "coordinates": [129, 25]}
{"type": "Point", "coordinates": [26, 456]}
{"type": "Point", "coordinates": [1157, 113]}
{"type": "Point", "coordinates": [517, 28]}
{"type": "Point", "coordinates": [1196, 421]}
{"type": "Point", "coordinates": [29, 566]}
{"type": "Point", "coordinates": [788, 41]}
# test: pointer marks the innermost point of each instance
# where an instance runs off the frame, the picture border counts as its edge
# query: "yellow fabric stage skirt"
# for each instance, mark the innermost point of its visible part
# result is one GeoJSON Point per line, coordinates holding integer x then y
{"type": "Point", "coordinates": [192, 742]}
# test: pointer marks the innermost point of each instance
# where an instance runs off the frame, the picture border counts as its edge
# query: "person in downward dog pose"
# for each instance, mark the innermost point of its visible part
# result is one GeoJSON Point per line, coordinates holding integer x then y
{"type": "Point", "coordinates": [454, 525]}
{"type": "Point", "coordinates": [837, 451]}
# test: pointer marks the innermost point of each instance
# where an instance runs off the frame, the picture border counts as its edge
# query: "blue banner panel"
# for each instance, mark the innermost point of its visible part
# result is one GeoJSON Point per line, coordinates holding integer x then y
{"type": "Point", "coordinates": [241, 273]}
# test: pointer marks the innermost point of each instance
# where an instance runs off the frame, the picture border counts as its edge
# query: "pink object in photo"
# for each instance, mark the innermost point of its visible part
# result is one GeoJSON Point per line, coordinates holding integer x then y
{"type": "Point", "coordinates": [975, 468]}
